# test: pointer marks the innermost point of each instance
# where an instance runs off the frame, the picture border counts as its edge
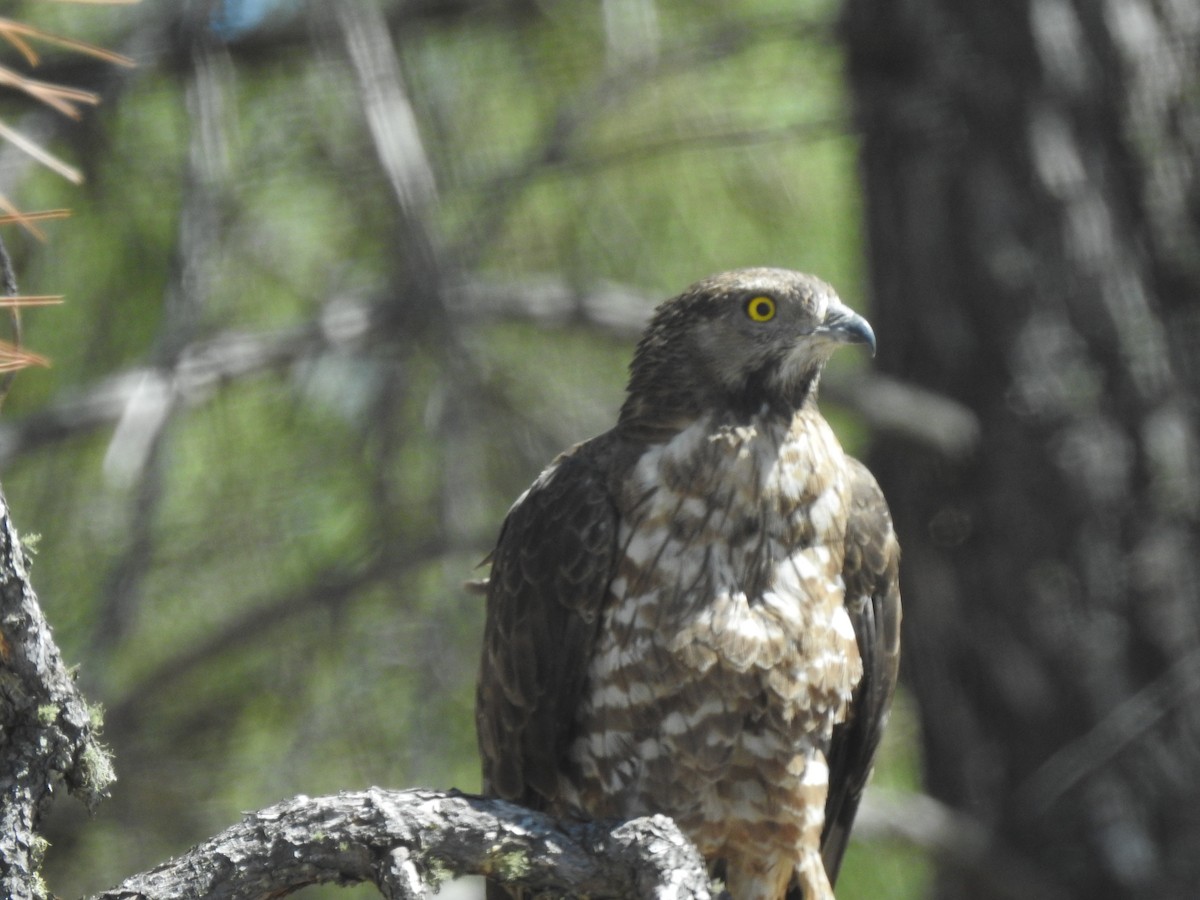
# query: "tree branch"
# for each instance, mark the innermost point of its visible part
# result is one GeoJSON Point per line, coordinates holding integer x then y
{"type": "Point", "coordinates": [327, 589]}
{"type": "Point", "coordinates": [46, 729]}
{"type": "Point", "coordinates": [348, 325]}
{"type": "Point", "coordinates": [409, 842]}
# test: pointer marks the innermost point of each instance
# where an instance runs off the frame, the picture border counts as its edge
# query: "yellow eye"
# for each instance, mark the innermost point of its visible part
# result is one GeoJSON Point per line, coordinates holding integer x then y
{"type": "Point", "coordinates": [760, 309]}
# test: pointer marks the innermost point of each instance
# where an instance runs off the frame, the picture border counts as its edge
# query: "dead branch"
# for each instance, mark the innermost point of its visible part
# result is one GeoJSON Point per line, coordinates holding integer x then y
{"type": "Point", "coordinates": [408, 842]}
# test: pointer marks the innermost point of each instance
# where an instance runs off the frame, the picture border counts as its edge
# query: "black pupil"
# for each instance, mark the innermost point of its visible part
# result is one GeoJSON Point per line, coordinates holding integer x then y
{"type": "Point", "coordinates": [762, 308]}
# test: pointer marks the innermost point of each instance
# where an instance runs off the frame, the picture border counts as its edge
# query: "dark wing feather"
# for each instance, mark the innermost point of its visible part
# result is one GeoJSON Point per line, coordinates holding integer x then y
{"type": "Point", "coordinates": [551, 570]}
{"type": "Point", "coordinates": [871, 573]}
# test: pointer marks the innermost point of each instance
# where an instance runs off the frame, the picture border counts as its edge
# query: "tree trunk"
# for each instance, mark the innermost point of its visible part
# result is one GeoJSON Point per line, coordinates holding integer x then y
{"type": "Point", "coordinates": [1033, 216]}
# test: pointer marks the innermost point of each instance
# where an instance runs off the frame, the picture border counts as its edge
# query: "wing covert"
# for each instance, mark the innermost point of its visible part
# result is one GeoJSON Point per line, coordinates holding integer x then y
{"type": "Point", "coordinates": [551, 569]}
{"type": "Point", "coordinates": [871, 574]}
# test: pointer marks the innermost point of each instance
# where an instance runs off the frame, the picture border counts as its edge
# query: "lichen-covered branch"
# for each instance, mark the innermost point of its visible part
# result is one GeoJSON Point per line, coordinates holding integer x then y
{"type": "Point", "coordinates": [408, 842]}
{"type": "Point", "coordinates": [47, 733]}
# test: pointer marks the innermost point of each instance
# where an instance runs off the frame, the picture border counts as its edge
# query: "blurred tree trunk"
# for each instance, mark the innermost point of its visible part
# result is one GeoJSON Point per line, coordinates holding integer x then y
{"type": "Point", "coordinates": [1034, 216]}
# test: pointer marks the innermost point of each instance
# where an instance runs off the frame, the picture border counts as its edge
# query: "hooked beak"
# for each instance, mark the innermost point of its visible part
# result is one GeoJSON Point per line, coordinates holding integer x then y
{"type": "Point", "coordinates": [844, 326]}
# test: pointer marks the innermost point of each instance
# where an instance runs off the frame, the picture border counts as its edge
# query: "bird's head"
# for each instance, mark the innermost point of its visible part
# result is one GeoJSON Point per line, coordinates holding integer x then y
{"type": "Point", "coordinates": [745, 341]}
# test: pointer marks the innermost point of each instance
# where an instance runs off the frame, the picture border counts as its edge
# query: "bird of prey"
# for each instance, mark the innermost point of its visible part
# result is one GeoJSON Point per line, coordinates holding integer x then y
{"type": "Point", "coordinates": [696, 613]}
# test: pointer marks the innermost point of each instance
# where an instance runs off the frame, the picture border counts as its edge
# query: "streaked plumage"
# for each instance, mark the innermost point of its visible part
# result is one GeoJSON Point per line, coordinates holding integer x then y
{"type": "Point", "coordinates": [697, 613]}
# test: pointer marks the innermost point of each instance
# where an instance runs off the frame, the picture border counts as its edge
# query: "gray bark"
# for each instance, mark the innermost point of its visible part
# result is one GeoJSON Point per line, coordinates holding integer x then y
{"type": "Point", "coordinates": [408, 842]}
{"type": "Point", "coordinates": [47, 734]}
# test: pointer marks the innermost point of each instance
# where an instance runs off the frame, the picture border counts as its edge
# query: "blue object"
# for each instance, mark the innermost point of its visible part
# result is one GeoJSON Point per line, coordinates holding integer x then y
{"type": "Point", "coordinates": [234, 18]}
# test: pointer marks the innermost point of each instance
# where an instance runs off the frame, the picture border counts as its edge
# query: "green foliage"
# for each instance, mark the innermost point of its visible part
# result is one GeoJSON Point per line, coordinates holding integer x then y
{"type": "Point", "coordinates": [267, 596]}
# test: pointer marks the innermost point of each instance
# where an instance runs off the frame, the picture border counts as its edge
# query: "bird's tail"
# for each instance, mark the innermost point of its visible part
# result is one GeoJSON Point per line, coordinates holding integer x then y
{"type": "Point", "coordinates": [810, 878]}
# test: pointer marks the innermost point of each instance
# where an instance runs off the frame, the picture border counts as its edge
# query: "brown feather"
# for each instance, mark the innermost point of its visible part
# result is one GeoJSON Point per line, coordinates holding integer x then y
{"type": "Point", "coordinates": [871, 574]}
{"type": "Point", "coordinates": [550, 572]}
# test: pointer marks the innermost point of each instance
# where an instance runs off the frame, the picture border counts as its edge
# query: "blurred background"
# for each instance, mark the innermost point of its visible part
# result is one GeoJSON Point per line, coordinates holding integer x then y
{"type": "Point", "coordinates": [342, 276]}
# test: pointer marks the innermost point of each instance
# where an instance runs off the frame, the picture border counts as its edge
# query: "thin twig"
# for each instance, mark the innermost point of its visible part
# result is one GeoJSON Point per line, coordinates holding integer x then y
{"type": "Point", "coordinates": [16, 32]}
{"type": "Point", "coordinates": [37, 152]}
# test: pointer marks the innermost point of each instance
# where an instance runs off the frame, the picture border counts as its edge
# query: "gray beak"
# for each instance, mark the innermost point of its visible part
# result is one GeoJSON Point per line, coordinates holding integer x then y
{"type": "Point", "coordinates": [845, 326]}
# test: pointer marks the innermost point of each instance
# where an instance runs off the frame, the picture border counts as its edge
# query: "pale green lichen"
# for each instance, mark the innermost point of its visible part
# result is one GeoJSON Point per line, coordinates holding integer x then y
{"type": "Point", "coordinates": [95, 773]}
{"type": "Point", "coordinates": [37, 853]}
{"type": "Point", "coordinates": [437, 873]}
{"type": "Point", "coordinates": [509, 865]}
{"type": "Point", "coordinates": [37, 850]}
